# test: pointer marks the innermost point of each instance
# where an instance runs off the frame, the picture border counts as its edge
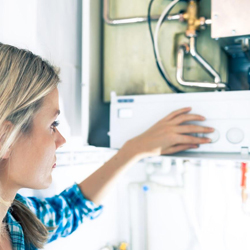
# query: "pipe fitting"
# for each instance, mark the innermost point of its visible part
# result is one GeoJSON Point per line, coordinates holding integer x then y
{"type": "Point", "coordinates": [185, 49]}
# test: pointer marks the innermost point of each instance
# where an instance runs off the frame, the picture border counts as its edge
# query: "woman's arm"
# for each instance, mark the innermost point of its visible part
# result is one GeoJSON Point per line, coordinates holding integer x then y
{"type": "Point", "coordinates": [167, 136]}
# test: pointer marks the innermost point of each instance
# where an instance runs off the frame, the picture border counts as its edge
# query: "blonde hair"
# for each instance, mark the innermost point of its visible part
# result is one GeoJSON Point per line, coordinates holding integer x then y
{"type": "Point", "coordinates": [25, 79]}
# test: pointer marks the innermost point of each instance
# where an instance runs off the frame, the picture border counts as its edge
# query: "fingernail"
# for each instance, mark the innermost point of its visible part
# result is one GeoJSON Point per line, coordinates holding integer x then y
{"type": "Point", "coordinates": [209, 140]}
{"type": "Point", "coordinates": [211, 129]}
{"type": "Point", "coordinates": [203, 118]}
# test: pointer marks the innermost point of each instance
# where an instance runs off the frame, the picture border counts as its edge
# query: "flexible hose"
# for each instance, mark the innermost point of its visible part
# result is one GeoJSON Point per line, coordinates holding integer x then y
{"type": "Point", "coordinates": [156, 35]}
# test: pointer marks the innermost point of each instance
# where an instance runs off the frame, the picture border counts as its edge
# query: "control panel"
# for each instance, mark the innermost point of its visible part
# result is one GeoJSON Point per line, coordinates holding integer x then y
{"type": "Point", "coordinates": [226, 112]}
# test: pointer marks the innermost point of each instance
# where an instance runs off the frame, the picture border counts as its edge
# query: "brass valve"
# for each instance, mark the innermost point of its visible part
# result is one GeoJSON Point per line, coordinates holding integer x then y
{"type": "Point", "coordinates": [191, 17]}
{"type": "Point", "coordinates": [123, 246]}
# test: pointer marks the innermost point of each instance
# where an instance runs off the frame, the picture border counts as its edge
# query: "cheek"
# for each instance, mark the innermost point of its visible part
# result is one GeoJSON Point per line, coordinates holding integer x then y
{"type": "Point", "coordinates": [43, 156]}
{"type": "Point", "coordinates": [32, 162]}
{"type": "Point", "coordinates": [40, 151]}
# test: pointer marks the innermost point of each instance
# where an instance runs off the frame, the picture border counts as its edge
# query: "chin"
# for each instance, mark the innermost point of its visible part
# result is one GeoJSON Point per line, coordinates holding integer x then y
{"type": "Point", "coordinates": [43, 185]}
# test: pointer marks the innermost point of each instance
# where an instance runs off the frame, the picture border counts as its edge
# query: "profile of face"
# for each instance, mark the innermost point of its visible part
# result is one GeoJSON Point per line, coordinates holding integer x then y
{"type": "Point", "coordinates": [31, 158]}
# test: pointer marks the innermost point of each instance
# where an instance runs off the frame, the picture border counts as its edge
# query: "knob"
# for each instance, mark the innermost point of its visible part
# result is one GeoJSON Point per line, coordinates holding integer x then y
{"type": "Point", "coordinates": [235, 135]}
{"type": "Point", "coordinates": [215, 136]}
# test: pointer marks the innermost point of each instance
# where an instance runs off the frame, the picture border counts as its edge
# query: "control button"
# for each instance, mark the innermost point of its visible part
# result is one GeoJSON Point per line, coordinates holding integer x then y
{"type": "Point", "coordinates": [235, 135]}
{"type": "Point", "coordinates": [215, 136]}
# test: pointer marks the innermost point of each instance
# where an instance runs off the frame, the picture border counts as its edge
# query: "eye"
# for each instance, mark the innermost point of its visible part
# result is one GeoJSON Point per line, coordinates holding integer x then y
{"type": "Point", "coordinates": [54, 125]}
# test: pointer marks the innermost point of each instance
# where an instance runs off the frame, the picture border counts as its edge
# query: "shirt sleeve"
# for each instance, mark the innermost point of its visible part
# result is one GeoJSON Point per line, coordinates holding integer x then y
{"type": "Point", "coordinates": [63, 213]}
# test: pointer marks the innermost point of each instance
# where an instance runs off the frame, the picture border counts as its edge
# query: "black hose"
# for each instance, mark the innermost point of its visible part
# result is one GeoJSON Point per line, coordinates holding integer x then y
{"type": "Point", "coordinates": [172, 87]}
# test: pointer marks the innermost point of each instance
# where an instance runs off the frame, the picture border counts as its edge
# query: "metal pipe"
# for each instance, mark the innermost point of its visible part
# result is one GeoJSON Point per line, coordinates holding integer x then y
{"type": "Point", "coordinates": [245, 45]}
{"type": "Point", "coordinates": [202, 61]}
{"type": "Point", "coordinates": [208, 21]}
{"type": "Point", "coordinates": [110, 21]}
{"type": "Point", "coordinates": [179, 74]}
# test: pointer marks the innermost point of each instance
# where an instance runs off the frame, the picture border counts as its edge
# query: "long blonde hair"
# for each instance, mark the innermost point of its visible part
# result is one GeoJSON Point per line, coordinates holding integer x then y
{"type": "Point", "coordinates": [25, 79]}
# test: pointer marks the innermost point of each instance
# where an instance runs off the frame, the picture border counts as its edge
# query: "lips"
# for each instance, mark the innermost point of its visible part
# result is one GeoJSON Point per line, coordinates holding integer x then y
{"type": "Point", "coordinates": [54, 163]}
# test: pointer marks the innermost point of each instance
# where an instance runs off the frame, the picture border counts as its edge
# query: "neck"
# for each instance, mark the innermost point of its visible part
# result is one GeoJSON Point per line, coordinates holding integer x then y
{"type": "Point", "coordinates": [3, 211]}
{"type": "Point", "coordinates": [5, 203]}
{"type": "Point", "coordinates": [6, 200]}
{"type": "Point", "coordinates": [7, 195]}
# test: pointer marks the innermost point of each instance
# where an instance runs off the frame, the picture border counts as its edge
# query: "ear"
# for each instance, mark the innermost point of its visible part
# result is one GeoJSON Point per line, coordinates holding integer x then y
{"type": "Point", "coordinates": [4, 131]}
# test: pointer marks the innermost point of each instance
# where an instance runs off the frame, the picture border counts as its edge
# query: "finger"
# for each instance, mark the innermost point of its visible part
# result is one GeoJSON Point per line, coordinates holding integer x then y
{"type": "Point", "coordinates": [186, 118]}
{"type": "Point", "coordinates": [177, 112]}
{"type": "Point", "coordinates": [185, 129]}
{"type": "Point", "coordinates": [178, 148]}
{"type": "Point", "coordinates": [188, 139]}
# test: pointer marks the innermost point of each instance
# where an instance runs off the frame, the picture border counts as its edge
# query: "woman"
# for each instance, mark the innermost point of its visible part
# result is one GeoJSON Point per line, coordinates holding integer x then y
{"type": "Point", "coordinates": [28, 141]}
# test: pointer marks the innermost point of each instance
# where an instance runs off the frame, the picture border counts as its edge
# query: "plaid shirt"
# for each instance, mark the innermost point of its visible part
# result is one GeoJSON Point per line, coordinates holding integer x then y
{"type": "Point", "coordinates": [65, 212]}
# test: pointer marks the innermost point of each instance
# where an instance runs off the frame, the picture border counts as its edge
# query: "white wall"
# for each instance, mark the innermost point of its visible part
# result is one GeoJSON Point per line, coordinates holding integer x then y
{"type": "Point", "coordinates": [51, 29]}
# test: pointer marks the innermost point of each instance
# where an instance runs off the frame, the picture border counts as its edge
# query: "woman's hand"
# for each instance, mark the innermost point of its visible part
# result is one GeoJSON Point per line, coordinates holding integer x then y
{"type": "Point", "coordinates": [169, 135]}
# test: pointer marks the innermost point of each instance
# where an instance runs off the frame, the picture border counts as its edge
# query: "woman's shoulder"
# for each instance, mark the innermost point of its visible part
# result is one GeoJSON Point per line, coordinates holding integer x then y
{"type": "Point", "coordinates": [71, 194]}
{"type": "Point", "coordinates": [22, 199]}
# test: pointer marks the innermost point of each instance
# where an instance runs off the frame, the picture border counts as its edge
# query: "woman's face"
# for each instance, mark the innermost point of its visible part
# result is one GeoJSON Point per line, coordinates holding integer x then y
{"type": "Point", "coordinates": [32, 157]}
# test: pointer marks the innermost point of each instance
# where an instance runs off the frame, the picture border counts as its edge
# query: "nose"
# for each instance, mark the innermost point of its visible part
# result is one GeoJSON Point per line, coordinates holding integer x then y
{"type": "Point", "coordinates": [60, 140]}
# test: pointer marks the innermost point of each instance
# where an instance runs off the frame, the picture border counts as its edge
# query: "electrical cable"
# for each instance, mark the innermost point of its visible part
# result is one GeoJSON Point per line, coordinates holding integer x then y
{"type": "Point", "coordinates": [155, 46]}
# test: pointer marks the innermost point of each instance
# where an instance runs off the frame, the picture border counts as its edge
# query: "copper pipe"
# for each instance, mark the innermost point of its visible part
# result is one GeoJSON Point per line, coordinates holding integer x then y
{"type": "Point", "coordinates": [111, 21]}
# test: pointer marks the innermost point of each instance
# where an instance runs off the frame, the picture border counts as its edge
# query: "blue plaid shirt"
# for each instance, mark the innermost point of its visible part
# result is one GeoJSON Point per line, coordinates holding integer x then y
{"type": "Point", "coordinates": [65, 212]}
